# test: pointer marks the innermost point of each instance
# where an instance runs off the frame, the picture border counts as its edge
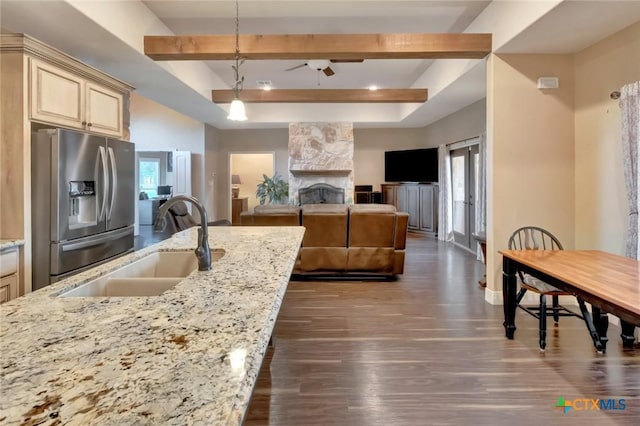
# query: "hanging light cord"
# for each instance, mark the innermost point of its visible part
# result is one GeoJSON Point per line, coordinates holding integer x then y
{"type": "Point", "coordinates": [239, 80]}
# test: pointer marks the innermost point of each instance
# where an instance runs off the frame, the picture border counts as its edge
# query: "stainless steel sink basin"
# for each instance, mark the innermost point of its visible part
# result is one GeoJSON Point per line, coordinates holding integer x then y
{"type": "Point", "coordinates": [150, 276]}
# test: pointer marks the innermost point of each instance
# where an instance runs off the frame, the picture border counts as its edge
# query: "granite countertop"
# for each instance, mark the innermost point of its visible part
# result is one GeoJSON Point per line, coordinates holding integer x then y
{"type": "Point", "coordinates": [189, 356]}
{"type": "Point", "coordinates": [5, 244]}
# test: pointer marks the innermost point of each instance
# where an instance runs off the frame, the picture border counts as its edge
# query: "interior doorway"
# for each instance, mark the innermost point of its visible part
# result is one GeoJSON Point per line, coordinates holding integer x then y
{"type": "Point", "coordinates": [245, 173]}
{"type": "Point", "coordinates": [465, 181]}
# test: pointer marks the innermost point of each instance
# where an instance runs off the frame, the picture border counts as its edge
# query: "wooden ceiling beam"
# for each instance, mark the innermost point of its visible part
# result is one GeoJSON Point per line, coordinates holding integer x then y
{"type": "Point", "coordinates": [319, 46]}
{"type": "Point", "coordinates": [322, 95]}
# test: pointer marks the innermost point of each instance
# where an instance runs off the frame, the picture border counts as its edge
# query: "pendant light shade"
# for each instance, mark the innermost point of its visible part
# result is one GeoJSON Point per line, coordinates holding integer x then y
{"type": "Point", "coordinates": [236, 111]}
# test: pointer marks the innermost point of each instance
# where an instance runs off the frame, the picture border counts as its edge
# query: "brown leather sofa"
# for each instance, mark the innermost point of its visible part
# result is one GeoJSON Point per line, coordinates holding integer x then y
{"type": "Point", "coordinates": [341, 240]}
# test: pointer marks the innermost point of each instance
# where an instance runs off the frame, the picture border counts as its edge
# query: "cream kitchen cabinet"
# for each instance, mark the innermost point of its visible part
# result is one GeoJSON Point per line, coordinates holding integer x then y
{"type": "Point", "coordinates": [66, 99]}
{"type": "Point", "coordinates": [8, 274]}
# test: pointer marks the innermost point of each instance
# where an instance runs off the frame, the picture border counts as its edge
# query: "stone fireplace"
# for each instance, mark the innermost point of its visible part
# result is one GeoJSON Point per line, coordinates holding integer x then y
{"type": "Point", "coordinates": [320, 153]}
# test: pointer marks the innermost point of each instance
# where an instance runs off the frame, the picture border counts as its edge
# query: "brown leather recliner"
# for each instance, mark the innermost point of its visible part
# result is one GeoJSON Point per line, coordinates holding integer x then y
{"type": "Point", "coordinates": [341, 240]}
{"type": "Point", "coordinates": [272, 215]}
{"type": "Point", "coordinates": [324, 247]}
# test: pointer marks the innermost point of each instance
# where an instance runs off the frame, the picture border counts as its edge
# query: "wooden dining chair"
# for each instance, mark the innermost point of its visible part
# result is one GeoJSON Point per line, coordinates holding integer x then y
{"type": "Point", "coordinates": [535, 238]}
{"type": "Point", "coordinates": [181, 219]}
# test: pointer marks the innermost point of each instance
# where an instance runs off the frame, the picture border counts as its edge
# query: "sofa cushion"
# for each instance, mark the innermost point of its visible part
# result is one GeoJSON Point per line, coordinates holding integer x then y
{"type": "Point", "coordinates": [326, 225]}
{"type": "Point", "coordinates": [276, 209]}
{"type": "Point", "coordinates": [323, 259]}
{"type": "Point", "coordinates": [372, 259]}
{"type": "Point", "coordinates": [325, 208]}
{"type": "Point", "coordinates": [373, 208]}
{"type": "Point", "coordinates": [275, 215]}
{"type": "Point", "coordinates": [371, 229]}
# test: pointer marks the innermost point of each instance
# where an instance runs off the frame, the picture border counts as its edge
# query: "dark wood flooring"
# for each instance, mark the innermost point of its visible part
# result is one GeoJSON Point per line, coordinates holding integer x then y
{"type": "Point", "coordinates": [147, 236]}
{"type": "Point", "coordinates": [428, 350]}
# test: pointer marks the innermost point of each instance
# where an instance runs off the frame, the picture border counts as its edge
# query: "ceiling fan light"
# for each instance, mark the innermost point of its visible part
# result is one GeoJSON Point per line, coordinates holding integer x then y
{"type": "Point", "coordinates": [236, 111]}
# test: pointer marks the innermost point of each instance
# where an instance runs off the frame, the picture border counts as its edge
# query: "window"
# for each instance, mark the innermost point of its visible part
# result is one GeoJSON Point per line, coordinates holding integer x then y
{"type": "Point", "coordinates": [149, 169]}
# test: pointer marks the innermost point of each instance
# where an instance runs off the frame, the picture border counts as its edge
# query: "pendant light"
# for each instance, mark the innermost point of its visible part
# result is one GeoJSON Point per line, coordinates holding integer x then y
{"type": "Point", "coordinates": [236, 110]}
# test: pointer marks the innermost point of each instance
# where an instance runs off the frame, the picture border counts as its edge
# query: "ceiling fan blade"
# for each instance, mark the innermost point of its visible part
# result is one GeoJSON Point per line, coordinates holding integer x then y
{"type": "Point", "coordinates": [346, 61]}
{"type": "Point", "coordinates": [328, 71]}
{"type": "Point", "coordinates": [296, 67]}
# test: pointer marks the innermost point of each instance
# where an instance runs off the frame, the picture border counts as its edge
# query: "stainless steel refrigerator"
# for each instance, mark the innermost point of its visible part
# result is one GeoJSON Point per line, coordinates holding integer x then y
{"type": "Point", "coordinates": [82, 202]}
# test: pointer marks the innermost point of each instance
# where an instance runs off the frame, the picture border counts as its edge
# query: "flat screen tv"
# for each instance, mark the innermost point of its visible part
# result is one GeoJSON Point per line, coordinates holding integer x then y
{"type": "Point", "coordinates": [413, 165]}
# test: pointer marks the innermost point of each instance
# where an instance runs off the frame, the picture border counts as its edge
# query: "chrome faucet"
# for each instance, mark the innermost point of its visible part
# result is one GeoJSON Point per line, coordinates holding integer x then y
{"type": "Point", "coordinates": [203, 253]}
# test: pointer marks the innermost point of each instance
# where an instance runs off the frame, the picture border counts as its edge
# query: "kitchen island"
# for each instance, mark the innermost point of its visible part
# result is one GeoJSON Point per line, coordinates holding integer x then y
{"type": "Point", "coordinates": [188, 356]}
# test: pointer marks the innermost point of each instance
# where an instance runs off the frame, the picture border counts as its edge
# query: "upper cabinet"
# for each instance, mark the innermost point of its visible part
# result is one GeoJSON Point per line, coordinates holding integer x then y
{"type": "Point", "coordinates": [103, 109]}
{"type": "Point", "coordinates": [61, 91]}
{"type": "Point", "coordinates": [66, 99]}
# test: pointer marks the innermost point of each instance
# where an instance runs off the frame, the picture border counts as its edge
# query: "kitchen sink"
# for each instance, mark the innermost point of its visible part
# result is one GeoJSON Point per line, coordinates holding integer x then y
{"type": "Point", "coordinates": [151, 275]}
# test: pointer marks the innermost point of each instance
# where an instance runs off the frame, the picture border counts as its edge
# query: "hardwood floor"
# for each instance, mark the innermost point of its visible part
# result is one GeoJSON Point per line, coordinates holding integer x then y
{"type": "Point", "coordinates": [428, 350]}
{"type": "Point", "coordinates": [147, 236]}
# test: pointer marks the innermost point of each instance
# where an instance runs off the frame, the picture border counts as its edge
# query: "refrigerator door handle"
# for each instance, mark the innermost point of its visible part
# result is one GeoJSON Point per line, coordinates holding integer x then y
{"type": "Point", "coordinates": [105, 178]}
{"type": "Point", "coordinates": [114, 175]}
{"type": "Point", "coordinates": [95, 241]}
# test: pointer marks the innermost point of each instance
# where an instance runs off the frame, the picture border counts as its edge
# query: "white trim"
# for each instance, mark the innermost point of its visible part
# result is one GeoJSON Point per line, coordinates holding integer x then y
{"type": "Point", "coordinates": [464, 143]}
{"type": "Point", "coordinates": [492, 297]}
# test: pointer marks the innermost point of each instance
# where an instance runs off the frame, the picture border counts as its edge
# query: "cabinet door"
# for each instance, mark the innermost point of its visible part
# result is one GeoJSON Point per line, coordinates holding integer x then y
{"type": "Point", "coordinates": [413, 206]}
{"type": "Point", "coordinates": [8, 288]}
{"type": "Point", "coordinates": [56, 95]}
{"type": "Point", "coordinates": [104, 110]}
{"type": "Point", "coordinates": [427, 213]}
{"type": "Point", "coordinates": [401, 199]}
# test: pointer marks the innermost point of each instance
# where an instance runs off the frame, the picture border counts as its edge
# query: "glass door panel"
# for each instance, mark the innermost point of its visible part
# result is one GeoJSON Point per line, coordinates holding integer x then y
{"type": "Point", "coordinates": [465, 168]}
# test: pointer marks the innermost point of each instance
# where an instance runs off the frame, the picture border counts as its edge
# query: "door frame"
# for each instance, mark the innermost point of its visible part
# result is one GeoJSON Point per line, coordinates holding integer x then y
{"type": "Point", "coordinates": [470, 147]}
{"type": "Point", "coordinates": [230, 172]}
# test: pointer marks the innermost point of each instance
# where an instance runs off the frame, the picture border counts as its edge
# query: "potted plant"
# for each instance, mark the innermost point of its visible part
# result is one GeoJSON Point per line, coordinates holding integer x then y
{"type": "Point", "coordinates": [274, 190]}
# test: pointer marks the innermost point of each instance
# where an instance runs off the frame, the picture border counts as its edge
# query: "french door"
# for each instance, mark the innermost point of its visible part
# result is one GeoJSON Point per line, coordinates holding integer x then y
{"type": "Point", "coordinates": [465, 167]}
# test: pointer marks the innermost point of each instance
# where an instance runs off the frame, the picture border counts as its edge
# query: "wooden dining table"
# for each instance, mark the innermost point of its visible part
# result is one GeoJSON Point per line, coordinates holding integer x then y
{"type": "Point", "coordinates": [610, 283]}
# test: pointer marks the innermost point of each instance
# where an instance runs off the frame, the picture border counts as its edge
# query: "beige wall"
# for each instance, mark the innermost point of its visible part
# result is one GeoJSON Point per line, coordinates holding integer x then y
{"type": "Point", "coordinates": [238, 141]}
{"type": "Point", "coordinates": [369, 146]}
{"type": "Point", "coordinates": [155, 127]}
{"type": "Point", "coordinates": [601, 204]}
{"type": "Point", "coordinates": [466, 123]}
{"type": "Point", "coordinates": [251, 167]}
{"type": "Point", "coordinates": [211, 155]}
{"type": "Point", "coordinates": [530, 160]}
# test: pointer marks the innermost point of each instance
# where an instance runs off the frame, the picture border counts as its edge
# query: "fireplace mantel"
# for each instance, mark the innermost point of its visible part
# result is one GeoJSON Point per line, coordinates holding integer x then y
{"type": "Point", "coordinates": [299, 173]}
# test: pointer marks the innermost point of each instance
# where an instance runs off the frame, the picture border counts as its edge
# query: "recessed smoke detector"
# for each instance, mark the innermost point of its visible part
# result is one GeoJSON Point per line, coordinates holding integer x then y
{"type": "Point", "coordinates": [264, 84]}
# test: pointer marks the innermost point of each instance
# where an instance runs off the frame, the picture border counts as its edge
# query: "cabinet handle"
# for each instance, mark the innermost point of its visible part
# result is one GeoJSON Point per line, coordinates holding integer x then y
{"type": "Point", "coordinates": [88, 124]}
{"type": "Point", "coordinates": [84, 123]}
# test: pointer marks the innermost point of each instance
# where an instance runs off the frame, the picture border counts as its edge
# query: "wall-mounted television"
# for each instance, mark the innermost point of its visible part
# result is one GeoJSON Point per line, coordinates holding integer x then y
{"type": "Point", "coordinates": [412, 165]}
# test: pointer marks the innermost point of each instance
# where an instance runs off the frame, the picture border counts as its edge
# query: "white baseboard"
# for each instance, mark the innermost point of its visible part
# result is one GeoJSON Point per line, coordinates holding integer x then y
{"type": "Point", "coordinates": [492, 297]}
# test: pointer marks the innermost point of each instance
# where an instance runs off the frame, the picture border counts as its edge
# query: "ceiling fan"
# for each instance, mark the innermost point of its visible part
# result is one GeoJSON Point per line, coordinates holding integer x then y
{"type": "Point", "coordinates": [323, 65]}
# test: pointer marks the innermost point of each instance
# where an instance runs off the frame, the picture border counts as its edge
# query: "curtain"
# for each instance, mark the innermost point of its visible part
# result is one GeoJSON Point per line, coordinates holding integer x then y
{"type": "Point", "coordinates": [445, 202]}
{"type": "Point", "coordinates": [630, 109]}
{"type": "Point", "coordinates": [481, 201]}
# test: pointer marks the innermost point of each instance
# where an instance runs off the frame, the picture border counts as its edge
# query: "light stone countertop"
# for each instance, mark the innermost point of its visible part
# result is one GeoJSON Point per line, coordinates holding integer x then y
{"type": "Point", "coordinates": [5, 244]}
{"type": "Point", "coordinates": [190, 356]}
